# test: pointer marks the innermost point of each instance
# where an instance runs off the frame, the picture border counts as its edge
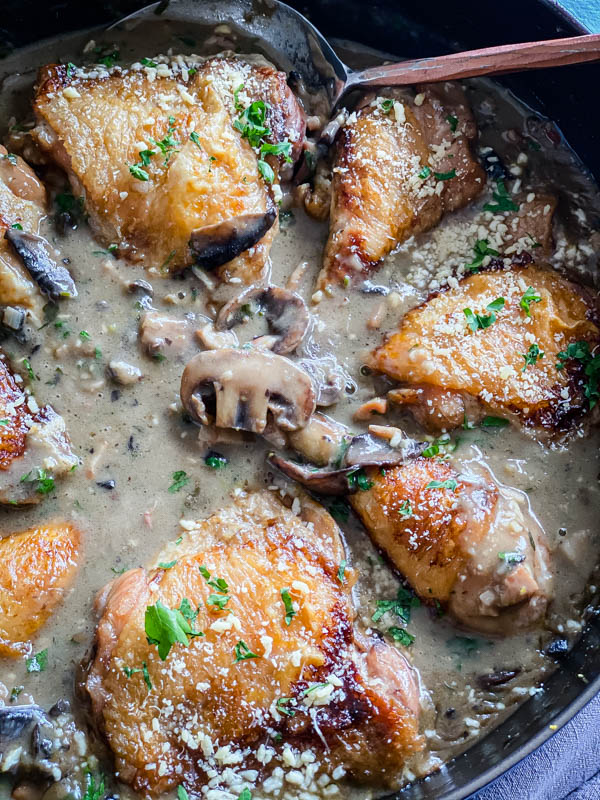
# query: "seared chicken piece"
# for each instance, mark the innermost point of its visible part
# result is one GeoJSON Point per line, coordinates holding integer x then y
{"type": "Point", "coordinates": [450, 351]}
{"type": "Point", "coordinates": [34, 446]}
{"type": "Point", "coordinates": [277, 655]}
{"type": "Point", "coordinates": [468, 544]}
{"type": "Point", "coordinates": [23, 203]}
{"type": "Point", "coordinates": [398, 167]}
{"type": "Point", "coordinates": [194, 193]}
{"type": "Point", "coordinates": [36, 568]}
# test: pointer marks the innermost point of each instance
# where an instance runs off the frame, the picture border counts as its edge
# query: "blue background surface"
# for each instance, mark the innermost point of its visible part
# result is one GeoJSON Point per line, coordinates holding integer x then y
{"type": "Point", "coordinates": [568, 765]}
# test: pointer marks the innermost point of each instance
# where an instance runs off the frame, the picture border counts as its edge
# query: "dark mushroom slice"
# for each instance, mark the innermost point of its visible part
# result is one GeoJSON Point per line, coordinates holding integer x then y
{"type": "Point", "coordinates": [495, 679]}
{"type": "Point", "coordinates": [284, 311]}
{"type": "Point", "coordinates": [214, 245]}
{"type": "Point", "coordinates": [40, 260]}
{"type": "Point", "coordinates": [245, 388]}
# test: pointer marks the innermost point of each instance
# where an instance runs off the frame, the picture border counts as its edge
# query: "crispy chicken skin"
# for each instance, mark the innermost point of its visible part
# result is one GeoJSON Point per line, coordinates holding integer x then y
{"type": "Point", "coordinates": [95, 129]}
{"type": "Point", "coordinates": [446, 542]}
{"type": "Point", "coordinates": [22, 202]}
{"type": "Point", "coordinates": [36, 568]}
{"type": "Point", "coordinates": [213, 712]}
{"type": "Point", "coordinates": [30, 441]}
{"type": "Point", "coordinates": [443, 364]}
{"type": "Point", "coordinates": [384, 186]}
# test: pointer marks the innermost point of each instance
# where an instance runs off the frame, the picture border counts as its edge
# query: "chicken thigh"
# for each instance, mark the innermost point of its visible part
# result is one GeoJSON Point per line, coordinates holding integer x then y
{"type": "Point", "coordinates": [165, 157]}
{"type": "Point", "coordinates": [519, 342]}
{"type": "Point", "coordinates": [236, 652]}
{"type": "Point", "coordinates": [400, 164]}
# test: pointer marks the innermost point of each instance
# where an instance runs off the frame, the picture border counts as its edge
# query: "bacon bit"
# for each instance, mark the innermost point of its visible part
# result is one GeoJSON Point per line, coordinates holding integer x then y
{"type": "Point", "coordinates": [296, 276]}
{"type": "Point", "coordinates": [377, 317]}
{"type": "Point", "coordinates": [378, 405]}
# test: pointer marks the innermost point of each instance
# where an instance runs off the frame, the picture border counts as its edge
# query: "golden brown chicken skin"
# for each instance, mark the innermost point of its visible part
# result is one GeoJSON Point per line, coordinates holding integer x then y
{"type": "Point", "coordinates": [155, 155]}
{"type": "Point", "coordinates": [23, 204]}
{"type": "Point", "coordinates": [278, 655]}
{"type": "Point", "coordinates": [398, 168]}
{"type": "Point", "coordinates": [465, 543]}
{"type": "Point", "coordinates": [448, 362]}
{"type": "Point", "coordinates": [34, 446]}
{"type": "Point", "coordinates": [36, 568]}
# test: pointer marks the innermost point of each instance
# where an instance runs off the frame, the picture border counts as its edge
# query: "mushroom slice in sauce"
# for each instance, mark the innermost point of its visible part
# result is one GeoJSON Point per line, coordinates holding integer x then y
{"type": "Point", "coordinates": [42, 264]}
{"type": "Point", "coordinates": [214, 245]}
{"type": "Point", "coordinates": [278, 653]}
{"type": "Point", "coordinates": [245, 387]}
{"type": "Point", "coordinates": [285, 312]}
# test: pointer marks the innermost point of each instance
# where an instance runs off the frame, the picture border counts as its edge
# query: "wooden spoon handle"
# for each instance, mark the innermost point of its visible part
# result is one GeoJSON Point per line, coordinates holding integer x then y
{"type": "Point", "coordinates": [490, 61]}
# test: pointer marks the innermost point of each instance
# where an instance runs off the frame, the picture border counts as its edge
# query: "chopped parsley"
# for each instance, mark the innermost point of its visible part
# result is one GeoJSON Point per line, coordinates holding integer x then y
{"type": "Point", "coordinates": [288, 605]}
{"type": "Point", "coordinates": [528, 298]}
{"type": "Point", "coordinates": [70, 69]}
{"type": "Point", "coordinates": [401, 606]}
{"type": "Point", "coordinates": [3, 422]}
{"type": "Point", "coordinates": [282, 706]}
{"type": "Point", "coordinates": [219, 584]}
{"type": "Point", "coordinates": [218, 600]}
{"type": "Point", "coordinates": [357, 479]}
{"type": "Point", "coordinates": [84, 335]}
{"type": "Point", "coordinates": [129, 671]}
{"type": "Point", "coordinates": [452, 121]}
{"type": "Point", "coordinates": [245, 794]}
{"type": "Point", "coordinates": [251, 125]}
{"type": "Point", "coordinates": [165, 626]}
{"type": "Point", "coordinates": [531, 356]}
{"type": "Point", "coordinates": [425, 173]}
{"type": "Point", "coordinates": [168, 144]}
{"type": "Point", "coordinates": [405, 509]}
{"type": "Point", "coordinates": [45, 482]}
{"type": "Point", "coordinates": [139, 173]}
{"type": "Point", "coordinates": [17, 226]}
{"type": "Point", "coordinates": [195, 139]}
{"type": "Point", "coordinates": [494, 422]}
{"type": "Point", "coordinates": [386, 106]}
{"type": "Point", "coordinates": [180, 479]}
{"type": "Point", "coordinates": [37, 662]}
{"type": "Point", "coordinates": [444, 176]}
{"type": "Point", "coordinates": [147, 62]}
{"type": "Point", "coordinates": [482, 321]}
{"type": "Point", "coordinates": [243, 652]}
{"type": "Point", "coordinates": [481, 249]}
{"type": "Point", "coordinates": [11, 158]}
{"type": "Point", "coordinates": [15, 692]}
{"type": "Point", "coordinates": [30, 373]}
{"type": "Point", "coordinates": [580, 351]}
{"type": "Point", "coordinates": [450, 484]}
{"type": "Point", "coordinates": [107, 57]}
{"type": "Point", "coordinates": [167, 564]}
{"type": "Point", "coordinates": [502, 200]}
{"type": "Point", "coordinates": [401, 636]}
{"type": "Point", "coordinates": [93, 791]}
{"type": "Point", "coordinates": [182, 793]}
{"type": "Point", "coordinates": [341, 573]}
{"type": "Point", "coordinates": [215, 460]}
{"type": "Point", "coordinates": [512, 558]}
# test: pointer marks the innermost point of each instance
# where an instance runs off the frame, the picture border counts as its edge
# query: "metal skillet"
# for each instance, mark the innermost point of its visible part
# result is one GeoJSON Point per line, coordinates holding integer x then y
{"type": "Point", "coordinates": [295, 44]}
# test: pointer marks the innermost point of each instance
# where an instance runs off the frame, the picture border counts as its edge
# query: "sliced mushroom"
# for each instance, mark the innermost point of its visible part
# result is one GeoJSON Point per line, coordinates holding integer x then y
{"type": "Point", "coordinates": [40, 260]}
{"type": "Point", "coordinates": [245, 387]}
{"type": "Point", "coordinates": [329, 379]}
{"type": "Point", "coordinates": [214, 245]}
{"type": "Point", "coordinates": [124, 373]}
{"type": "Point", "coordinates": [353, 454]}
{"type": "Point", "coordinates": [284, 311]}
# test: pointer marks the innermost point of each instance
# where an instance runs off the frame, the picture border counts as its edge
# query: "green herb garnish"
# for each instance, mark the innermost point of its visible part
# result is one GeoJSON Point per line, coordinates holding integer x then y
{"type": "Point", "coordinates": [401, 606]}
{"type": "Point", "coordinates": [580, 351]}
{"type": "Point", "coordinates": [531, 356]}
{"type": "Point", "coordinates": [341, 571]}
{"type": "Point", "coordinates": [481, 249]}
{"type": "Point", "coordinates": [450, 484]}
{"type": "Point", "coordinates": [503, 201]}
{"type": "Point", "coordinates": [180, 479]}
{"type": "Point", "coordinates": [288, 605]}
{"type": "Point", "coordinates": [243, 652]}
{"type": "Point", "coordinates": [38, 662]}
{"type": "Point", "coordinates": [528, 298]}
{"type": "Point", "coordinates": [482, 321]}
{"type": "Point", "coordinates": [401, 635]}
{"type": "Point", "coordinates": [282, 706]}
{"type": "Point", "coordinates": [452, 121]}
{"type": "Point", "coordinates": [444, 176]}
{"type": "Point", "coordinates": [165, 626]}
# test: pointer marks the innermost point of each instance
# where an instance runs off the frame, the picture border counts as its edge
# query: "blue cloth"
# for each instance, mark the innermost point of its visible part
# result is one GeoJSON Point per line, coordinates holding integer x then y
{"type": "Point", "coordinates": [566, 766]}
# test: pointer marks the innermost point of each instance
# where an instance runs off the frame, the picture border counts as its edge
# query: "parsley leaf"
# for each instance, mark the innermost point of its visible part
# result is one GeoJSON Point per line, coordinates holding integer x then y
{"type": "Point", "coordinates": [503, 201]}
{"type": "Point", "coordinates": [444, 176]}
{"type": "Point", "coordinates": [30, 373]}
{"type": "Point", "coordinates": [164, 627]}
{"type": "Point", "coordinates": [425, 173]}
{"type": "Point", "coordinates": [139, 173]}
{"type": "Point", "coordinates": [450, 483]}
{"type": "Point", "coordinates": [401, 635]}
{"type": "Point", "coordinates": [93, 791]}
{"type": "Point", "coordinates": [481, 249]}
{"type": "Point", "coordinates": [452, 121]}
{"type": "Point", "coordinates": [180, 479]}
{"type": "Point", "coordinates": [405, 509]}
{"type": "Point", "coordinates": [341, 571]}
{"type": "Point", "coordinates": [243, 652]}
{"type": "Point", "coordinates": [147, 62]}
{"type": "Point", "coordinates": [482, 321]}
{"type": "Point", "coordinates": [580, 351]}
{"type": "Point", "coordinates": [358, 479]}
{"type": "Point", "coordinates": [45, 482]}
{"type": "Point", "coordinates": [512, 558]}
{"type": "Point", "coordinates": [182, 793]}
{"type": "Point", "coordinates": [167, 564]}
{"type": "Point", "coordinates": [401, 606]}
{"type": "Point", "coordinates": [215, 460]}
{"type": "Point", "coordinates": [38, 662]}
{"type": "Point", "coordinates": [531, 356]}
{"type": "Point", "coordinates": [528, 298]}
{"type": "Point", "coordinates": [288, 605]}
{"type": "Point", "coordinates": [195, 139]}
{"type": "Point", "coordinates": [386, 106]}
{"type": "Point", "coordinates": [219, 584]}
{"type": "Point", "coordinates": [494, 422]}
{"type": "Point", "coordinates": [339, 510]}
{"type": "Point", "coordinates": [282, 706]}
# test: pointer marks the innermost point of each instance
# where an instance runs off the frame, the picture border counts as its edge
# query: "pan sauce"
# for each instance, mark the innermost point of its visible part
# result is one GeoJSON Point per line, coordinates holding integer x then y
{"type": "Point", "coordinates": [131, 439]}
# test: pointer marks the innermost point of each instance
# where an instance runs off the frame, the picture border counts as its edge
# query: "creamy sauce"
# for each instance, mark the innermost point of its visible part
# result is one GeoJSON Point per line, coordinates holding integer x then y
{"type": "Point", "coordinates": [131, 439]}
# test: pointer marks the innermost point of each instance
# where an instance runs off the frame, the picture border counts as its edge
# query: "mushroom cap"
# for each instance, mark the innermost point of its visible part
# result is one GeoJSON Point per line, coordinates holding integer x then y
{"type": "Point", "coordinates": [41, 260]}
{"type": "Point", "coordinates": [247, 387]}
{"type": "Point", "coordinates": [284, 310]}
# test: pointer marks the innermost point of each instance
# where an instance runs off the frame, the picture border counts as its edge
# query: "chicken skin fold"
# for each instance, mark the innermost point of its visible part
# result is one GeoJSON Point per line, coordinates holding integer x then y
{"type": "Point", "coordinates": [168, 172]}
{"type": "Point", "coordinates": [271, 653]}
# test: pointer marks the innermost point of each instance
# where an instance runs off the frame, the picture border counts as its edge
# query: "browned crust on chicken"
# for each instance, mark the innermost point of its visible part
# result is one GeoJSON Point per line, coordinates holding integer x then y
{"type": "Point", "coordinates": [386, 184]}
{"type": "Point", "coordinates": [95, 128]}
{"type": "Point", "coordinates": [434, 348]}
{"type": "Point", "coordinates": [370, 722]}
{"type": "Point", "coordinates": [36, 568]}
